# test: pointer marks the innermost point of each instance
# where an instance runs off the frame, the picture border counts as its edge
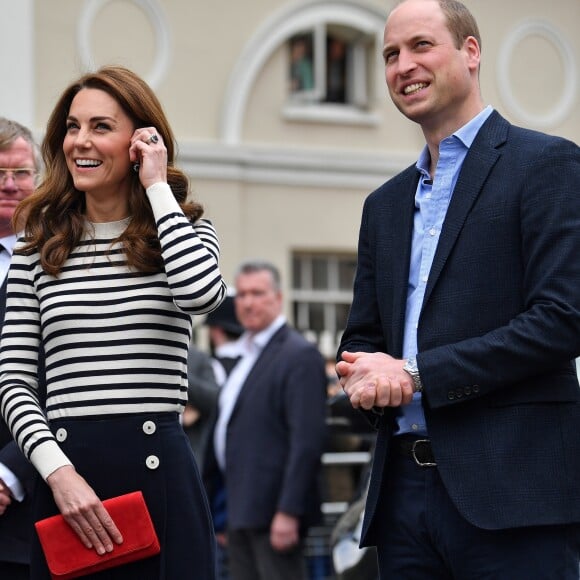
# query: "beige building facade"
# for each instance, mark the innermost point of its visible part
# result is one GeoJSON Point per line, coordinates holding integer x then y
{"type": "Point", "coordinates": [281, 112]}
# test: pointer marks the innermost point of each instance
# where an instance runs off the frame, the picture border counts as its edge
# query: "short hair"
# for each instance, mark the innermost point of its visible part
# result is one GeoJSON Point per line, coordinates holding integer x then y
{"type": "Point", "coordinates": [252, 266]}
{"type": "Point", "coordinates": [460, 21]}
{"type": "Point", "coordinates": [10, 131]}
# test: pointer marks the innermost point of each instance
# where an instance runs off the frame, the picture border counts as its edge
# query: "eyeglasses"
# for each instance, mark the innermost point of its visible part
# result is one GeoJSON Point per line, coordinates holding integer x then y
{"type": "Point", "coordinates": [20, 175]}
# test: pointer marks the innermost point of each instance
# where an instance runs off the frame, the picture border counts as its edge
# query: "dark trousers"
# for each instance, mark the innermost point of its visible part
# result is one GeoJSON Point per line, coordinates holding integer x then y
{"type": "Point", "coordinates": [13, 571]}
{"type": "Point", "coordinates": [252, 557]}
{"type": "Point", "coordinates": [422, 536]}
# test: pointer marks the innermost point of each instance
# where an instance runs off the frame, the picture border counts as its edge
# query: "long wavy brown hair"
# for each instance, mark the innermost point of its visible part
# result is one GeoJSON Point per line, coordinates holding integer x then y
{"type": "Point", "coordinates": [53, 217]}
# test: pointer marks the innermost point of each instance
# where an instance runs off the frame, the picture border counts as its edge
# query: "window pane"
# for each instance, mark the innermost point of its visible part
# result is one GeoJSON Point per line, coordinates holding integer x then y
{"type": "Point", "coordinates": [301, 63]}
{"type": "Point", "coordinates": [316, 312]}
{"type": "Point", "coordinates": [336, 58]}
{"type": "Point", "coordinates": [341, 316]}
{"type": "Point", "coordinates": [320, 273]}
{"type": "Point", "coordinates": [297, 272]}
{"type": "Point", "coordinates": [346, 272]}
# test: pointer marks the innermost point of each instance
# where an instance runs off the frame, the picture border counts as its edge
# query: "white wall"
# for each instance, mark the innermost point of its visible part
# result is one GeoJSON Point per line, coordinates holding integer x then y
{"type": "Point", "coordinates": [17, 61]}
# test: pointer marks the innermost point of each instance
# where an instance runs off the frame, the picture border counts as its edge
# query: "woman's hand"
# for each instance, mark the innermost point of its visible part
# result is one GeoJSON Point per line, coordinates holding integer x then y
{"type": "Point", "coordinates": [83, 510]}
{"type": "Point", "coordinates": [148, 151]}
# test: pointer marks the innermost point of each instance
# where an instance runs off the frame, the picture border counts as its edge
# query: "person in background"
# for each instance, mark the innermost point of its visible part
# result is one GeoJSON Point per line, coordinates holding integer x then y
{"type": "Point", "coordinates": [206, 374]}
{"type": "Point", "coordinates": [301, 64]}
{"type": "Point", "coordinates": [224, 330]}
{"type": "Point", "coordinates": [465, 324]}
{"type": "Point", "coordinates": [336, 54]}
{"type": "Point", "coordinates": [269, 434]}
{"type": "Point", "coordinates": [20, 164]}
{"type": "Point", "coordinates": [113, 263]}
{"type": "Point", "coordinates": [202, 397]}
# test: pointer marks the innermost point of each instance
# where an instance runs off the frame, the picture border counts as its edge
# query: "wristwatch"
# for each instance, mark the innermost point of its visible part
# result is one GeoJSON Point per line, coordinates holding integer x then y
{"type": "Point", "coordinates": [411, 367]}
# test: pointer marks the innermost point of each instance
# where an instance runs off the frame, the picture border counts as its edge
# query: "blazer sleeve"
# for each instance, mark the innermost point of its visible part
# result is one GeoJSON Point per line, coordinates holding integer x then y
{"type": "Point", "coordinates": [305, 414]}
{"type": "Point", "coordinates": [203, 390]}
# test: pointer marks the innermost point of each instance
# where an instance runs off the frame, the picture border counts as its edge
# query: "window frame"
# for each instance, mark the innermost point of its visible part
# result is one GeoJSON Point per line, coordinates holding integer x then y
{"type": "Point", "coordinates": [360, 78]}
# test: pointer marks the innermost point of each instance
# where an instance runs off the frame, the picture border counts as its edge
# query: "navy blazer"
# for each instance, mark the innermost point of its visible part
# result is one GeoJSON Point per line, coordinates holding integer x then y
{"type": "Point", "coordinates": [275, 436]}
{"type": "Point", "coordinates": [16, 522]}
{"type": "Point", "coordinates": [499, 327]}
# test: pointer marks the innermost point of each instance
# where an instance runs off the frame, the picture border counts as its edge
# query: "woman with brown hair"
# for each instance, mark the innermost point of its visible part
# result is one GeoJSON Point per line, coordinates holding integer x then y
{"type": "Point", "coordinates": [113, 263]}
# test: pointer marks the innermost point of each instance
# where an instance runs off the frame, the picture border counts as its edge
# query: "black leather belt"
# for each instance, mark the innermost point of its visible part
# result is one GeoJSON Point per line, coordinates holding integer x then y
{"type": "Point", "coordinates": [419, 450]}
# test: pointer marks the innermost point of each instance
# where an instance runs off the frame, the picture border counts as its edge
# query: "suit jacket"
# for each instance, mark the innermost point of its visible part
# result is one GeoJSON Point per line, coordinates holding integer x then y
{"type": "Point", "coordinates": [16, 522]}
{"type": "Point", "coordinates": [275, 436]}
{"type": "Point", "coordinates": [202, 394]}
{"type": "Point", "coordinates": [499, 327]}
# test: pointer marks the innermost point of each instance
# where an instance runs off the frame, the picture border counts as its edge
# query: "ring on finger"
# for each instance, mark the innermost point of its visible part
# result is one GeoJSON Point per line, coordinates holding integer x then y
{"type": "Point", "coordinates": [152, 139]}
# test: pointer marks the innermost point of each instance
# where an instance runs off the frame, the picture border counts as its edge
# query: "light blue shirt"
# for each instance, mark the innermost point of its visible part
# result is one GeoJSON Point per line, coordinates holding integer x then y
{"type": "Point", "coordinates": [8, 244]}
{"type": "Point", "coordinates": [431, 204]}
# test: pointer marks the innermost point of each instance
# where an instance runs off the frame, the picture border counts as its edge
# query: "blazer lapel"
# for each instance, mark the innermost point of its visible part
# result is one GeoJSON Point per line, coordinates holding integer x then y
{"type": "Point", "coordinates": [482, 156]}
{"type": "Point", "coordinates": [262, 365]}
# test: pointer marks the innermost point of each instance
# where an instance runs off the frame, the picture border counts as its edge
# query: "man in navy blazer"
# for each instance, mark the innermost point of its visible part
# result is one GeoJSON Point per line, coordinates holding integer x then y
{"type": "Point", "coordinates": [465, 324]}
{"type": "Point", "coordinates": [16, 517]}
{"type": "Point", "coordinates": [18, 151]}
{"type": "Point", "coordinates": [269, 434]}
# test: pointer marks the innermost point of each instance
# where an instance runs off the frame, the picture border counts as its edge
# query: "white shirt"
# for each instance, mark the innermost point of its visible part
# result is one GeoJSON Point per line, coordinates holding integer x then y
{"type": "Point", "coordinates": [233, 349]}
{"type": "Point", "coordinates": [6, 255]}
{"type": "Point", "coordinates": [251, 345]}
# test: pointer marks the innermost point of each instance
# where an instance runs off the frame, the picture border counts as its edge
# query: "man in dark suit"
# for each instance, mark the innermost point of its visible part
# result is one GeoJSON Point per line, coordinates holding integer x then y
{"type": "Point", "coordinates": [19, 164]}
{"type": "Point", "coordinates": [269, 434]}
{"type": "Point", "coordinates": [465, 325]}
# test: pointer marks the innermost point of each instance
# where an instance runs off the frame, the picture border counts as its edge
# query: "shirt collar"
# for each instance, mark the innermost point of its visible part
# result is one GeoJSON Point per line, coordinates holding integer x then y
{"type": "Point", "coordinates": [8, 242]}
{"type": "Point", "coordinates": [465, 134]}
{"type": "Point", "coordinates": [261, 339]}
{"type": "Point", "coordinates": [468, 132]}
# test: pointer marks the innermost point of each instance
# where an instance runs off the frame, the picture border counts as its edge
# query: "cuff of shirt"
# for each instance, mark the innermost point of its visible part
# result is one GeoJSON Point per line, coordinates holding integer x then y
{"type": "Point", "coordinates": [12, 482]}
{"type": "Point", "coordinates": [48, 457]}
{"type": "Point", "coordinates": [162, 199]}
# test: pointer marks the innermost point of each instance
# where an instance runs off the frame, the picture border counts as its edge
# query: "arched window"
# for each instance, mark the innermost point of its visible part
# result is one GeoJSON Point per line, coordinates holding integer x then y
{"type": "Point", "coordinates": [330, 64]}
{"type": "Point", "coordinates": [336, 48]}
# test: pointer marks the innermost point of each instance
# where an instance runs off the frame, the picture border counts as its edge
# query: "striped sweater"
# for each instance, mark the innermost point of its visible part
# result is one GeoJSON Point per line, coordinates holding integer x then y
{"type": "Point", "coordinates": [115, 340]}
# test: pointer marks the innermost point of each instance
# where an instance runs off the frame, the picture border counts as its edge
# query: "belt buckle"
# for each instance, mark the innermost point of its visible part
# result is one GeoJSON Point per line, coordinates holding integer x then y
{"type": "Point", "coordinates": [416, 459]}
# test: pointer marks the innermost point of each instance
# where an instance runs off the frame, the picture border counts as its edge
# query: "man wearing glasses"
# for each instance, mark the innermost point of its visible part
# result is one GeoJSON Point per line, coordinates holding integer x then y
{"type": "Point", "coordinates": [19, 164]}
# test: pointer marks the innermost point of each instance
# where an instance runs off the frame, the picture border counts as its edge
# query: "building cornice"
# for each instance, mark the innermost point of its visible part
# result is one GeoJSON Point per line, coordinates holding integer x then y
{"type": "Point", "coordinates": [324, 168]}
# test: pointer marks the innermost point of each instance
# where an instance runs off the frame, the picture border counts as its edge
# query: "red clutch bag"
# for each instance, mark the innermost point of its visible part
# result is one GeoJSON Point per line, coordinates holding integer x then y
{"type": "Point", "coordinates": [68, 558]}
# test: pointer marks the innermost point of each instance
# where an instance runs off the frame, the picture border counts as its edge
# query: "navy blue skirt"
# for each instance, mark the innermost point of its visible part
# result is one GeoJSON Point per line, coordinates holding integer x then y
{"type": "Point", "coordinates": [150, 453]}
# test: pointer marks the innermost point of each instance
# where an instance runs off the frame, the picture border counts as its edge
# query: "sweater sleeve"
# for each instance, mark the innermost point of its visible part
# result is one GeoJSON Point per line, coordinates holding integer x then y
{"type": "Point", "coordinates": [190, 253]}
{"type": "Point", "coordinates": [19, 401]}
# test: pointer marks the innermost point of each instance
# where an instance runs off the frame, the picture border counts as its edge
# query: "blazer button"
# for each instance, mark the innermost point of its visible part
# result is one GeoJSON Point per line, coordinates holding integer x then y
{"type": "Point", "coordinates": [152, 462]}
{"type": "Point", "coordinates": [61, 434]}
{"type": "Point", "coordinates": [459, 392]}
{"type": "Point", "coordinates": [149, 427]}
{"type": "Point", "coordinates": [451, 395]}
{"type": "Point", "coordinates": [467, 391]}
{"type": "Point", "coordinates": [476, 388]}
